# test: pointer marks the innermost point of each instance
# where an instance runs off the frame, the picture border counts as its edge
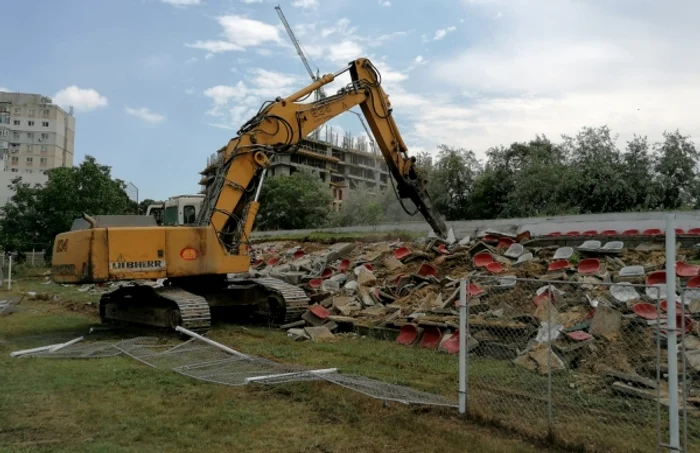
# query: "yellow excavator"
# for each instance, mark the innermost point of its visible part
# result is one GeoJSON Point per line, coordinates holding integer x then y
{"type": "Point", "coordinates": [196, 261]}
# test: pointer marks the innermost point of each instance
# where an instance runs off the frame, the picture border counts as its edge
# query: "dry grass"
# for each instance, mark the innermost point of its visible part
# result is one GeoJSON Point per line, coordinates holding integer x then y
{"type": "Point", "coordinates": [120, 405]}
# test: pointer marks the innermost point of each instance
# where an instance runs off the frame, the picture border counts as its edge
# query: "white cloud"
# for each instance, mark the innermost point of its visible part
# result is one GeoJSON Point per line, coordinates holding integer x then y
{"type": "Point", "coordinates": [191, 60]}
{"type": "Point", "coordinates": [419, 59]}
{"type": "Point", "coordinates": [342, 26]}
{"type": "Point", "coordinates": [182, 3]}
{"type": "Point", "coordinates": [239, 33]}
{"type": "Point", "coordinates": [244, 32]}
{"type": "Point", "coordinates": [189, 91]}
{"type": "Point", "coordinates": [235, 104]}
{"type": "Point", "coordinates": [81, 99]}
{"type": "Point", "coordinates": [214, 46]}
{"type": "Point", "coordinates": [381, 39]}
{"type": "Point", "coordinates": [305, 3]}
{"type": "Point", "coordinates": [384, 3]}
{"type": "Point", "coordinates": [7, 90]}
{"type": "Point", "coordinates": [145, 114]}
{"type": "Point", "coordinates": [596, 65]}
{"type": "Point", "coordinates": [248, 2]}
{"type": "Point", "coordinates": [343, 52]}
{"type": "Point", "coordinates": [441, 33]}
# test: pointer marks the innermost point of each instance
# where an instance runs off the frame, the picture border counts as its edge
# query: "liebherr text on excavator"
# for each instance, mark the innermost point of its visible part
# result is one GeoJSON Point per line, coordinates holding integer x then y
{"type": "Point", "coordinates": [195, 260]}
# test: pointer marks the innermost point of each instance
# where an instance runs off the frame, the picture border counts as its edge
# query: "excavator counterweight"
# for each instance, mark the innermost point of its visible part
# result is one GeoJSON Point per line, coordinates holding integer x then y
{"type": "Point", "coordinates": [195, 261]}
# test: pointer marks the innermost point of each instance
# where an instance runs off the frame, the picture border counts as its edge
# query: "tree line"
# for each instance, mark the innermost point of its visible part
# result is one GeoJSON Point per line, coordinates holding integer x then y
{"type": "Point", "coordinates": [581, 174]}
{"type": "Point", "coordinates": [35, 214]}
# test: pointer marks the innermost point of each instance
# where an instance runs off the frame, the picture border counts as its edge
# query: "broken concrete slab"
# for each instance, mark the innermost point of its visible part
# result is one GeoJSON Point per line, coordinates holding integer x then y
{"type": "Point", "coordinates": [366, 298]}
{"type": "Point", "coordinates": [630, 379]}
{"type": "Point", "coordinates": [373, 311]}
{"type": "Point", "coordinates": [290, 325]}
{"type": "Point", "coordinates": [606, 322]}
{"type": "Point", "coordinates": [392, 263]}
{"type": "Point", "coordinates": [351, 287]}
{"type": "Point", "coordinates": [366, 277]}
{"type": "Point", "coordinates": [298, 334]}
{"type": "Point", "coordinates": [544, 359]}
{"type": "Point", "coordinates": [349, 309]}
{"type": "Point", "coordinates": [450, 237]}
{"type": "Point", "coordinates": [319, 334]}
{"type": "Point", "coordinates": [621, 387]}
{"type": "Point", "coordinates": [337, 251]}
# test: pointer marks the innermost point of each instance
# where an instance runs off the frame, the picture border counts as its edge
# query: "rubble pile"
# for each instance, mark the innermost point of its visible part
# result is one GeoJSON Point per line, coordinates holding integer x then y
{"type": "Point", "coordinates": [594, 316]}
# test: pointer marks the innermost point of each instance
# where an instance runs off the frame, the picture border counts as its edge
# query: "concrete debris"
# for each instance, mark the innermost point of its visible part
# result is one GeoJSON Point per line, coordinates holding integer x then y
{"type": "Point", "coordinates": [606, 322]}
{"type": "Point", "coordinates": [377, 289]}
{"type": "Point", "coordinates": [465, 240]}
{"type": "Point", "coordinates": [366, 277]}
{"type": "Point", "coordinates": [8, 306]}
{"type": "Point", "coordinates": [450, 237]}
{"type": "Point", "coordinates": [298, 334]}
{"type": "Point", "coordinates": [319, 334]}
{"type": "Point", "coordinates": [351, 287]}
{"type": "Point", "coordinates": [538, 360]}
{"type": "Point", "coordinates": [392, 263]}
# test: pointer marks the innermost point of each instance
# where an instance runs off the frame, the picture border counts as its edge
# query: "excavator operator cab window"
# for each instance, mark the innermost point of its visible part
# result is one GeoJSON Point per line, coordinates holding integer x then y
{"type": "Point", "coordinates": [189, 215]}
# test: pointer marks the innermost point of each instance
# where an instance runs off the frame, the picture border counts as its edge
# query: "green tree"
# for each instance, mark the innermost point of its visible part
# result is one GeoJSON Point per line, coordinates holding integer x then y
{"type": "Point", "coordinates": [638, 173]}
{"type": "Point", "coordinates": [143, 205]}
{"type": "Point", "coordinates": [598, 170]}
{"type": "Point", "coordinates": [451, 181]}
{"type": "Point", "coordinates": [542, 180]}
{"type": "Point", "coordinates": [362, 206]}
{"type": "Point", "coordinates": [300, 200]}
{"type": "Point", "coordinates": [676, 178]}
{"type": "Point", "coordinates": [35, 215]}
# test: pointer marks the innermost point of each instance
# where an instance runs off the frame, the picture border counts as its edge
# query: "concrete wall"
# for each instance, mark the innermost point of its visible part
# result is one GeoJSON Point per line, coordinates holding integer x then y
{"type": "Point", "coordinates": [536, 225]}
{"type": "Point", "coordinates": [6, 177]}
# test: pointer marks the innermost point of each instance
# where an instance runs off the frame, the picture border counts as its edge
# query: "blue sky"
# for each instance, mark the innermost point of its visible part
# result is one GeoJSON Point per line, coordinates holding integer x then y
{"type": "Point", "coordinates": [159, 85]}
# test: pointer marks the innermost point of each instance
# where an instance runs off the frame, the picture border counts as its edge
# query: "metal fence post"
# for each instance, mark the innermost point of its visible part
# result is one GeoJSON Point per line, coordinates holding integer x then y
{"type": "Point", "coordinates": [33, 253]}
{"type": "Point", "coordinates": [9, 273]}
{"type": "Point", "coordinates": [684, 376]}
{"type": "Point", "coordinates": [674, 436]}
{"type": "Point", "coordinates": [550, 423]}
{"type": "Point", "coordinates": [462, 346]}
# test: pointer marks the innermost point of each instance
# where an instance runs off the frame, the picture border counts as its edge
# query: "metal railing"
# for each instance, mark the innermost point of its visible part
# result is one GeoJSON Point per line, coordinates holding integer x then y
{"type": "Point", "coordinates": [584, 361]}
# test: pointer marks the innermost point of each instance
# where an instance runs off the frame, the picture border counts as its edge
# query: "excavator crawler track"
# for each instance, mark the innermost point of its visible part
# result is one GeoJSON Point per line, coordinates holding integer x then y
{"type": "Point", "coordinates": [164, 308]}
{"type": "Point", "coordinates": [295, 299]}
{"type": "Point", "coordinates": [194, 310]}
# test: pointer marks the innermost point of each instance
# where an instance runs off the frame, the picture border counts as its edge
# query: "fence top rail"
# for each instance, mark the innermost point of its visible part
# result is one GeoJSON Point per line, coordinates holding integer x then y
{"type": "Point", "coordinates": [563, 282]}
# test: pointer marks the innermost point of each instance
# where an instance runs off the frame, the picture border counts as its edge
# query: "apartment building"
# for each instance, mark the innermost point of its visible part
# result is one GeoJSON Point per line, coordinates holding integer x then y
{"type": "Point", "coordinates": [343, 164]}
{"type": "Point", "coordinates": [35, 135]}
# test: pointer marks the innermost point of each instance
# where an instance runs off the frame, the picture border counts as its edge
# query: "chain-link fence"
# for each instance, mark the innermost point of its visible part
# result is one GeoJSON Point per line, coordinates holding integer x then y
{"type": "Point", "coordinates": [33, 258]}
{"type": "Point", "coordinates": [199, 360]}
{"type": "Point", "coordinates": [687, 317]}
{"type": "Point", "coordinates": [582, 361]}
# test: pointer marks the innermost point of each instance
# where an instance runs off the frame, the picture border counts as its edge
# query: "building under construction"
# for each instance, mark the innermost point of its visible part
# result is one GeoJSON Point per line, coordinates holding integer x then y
{"type": "Point", "coordinates": [343, 162]}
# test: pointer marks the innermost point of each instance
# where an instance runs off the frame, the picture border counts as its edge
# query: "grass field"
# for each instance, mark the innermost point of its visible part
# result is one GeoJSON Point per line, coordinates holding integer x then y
{"type": "Point", "coordinates": [121, 405]}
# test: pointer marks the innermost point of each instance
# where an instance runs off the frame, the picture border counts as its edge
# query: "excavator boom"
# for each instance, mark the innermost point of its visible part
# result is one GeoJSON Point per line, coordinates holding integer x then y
{"type": "Point", "coordinates": [281, 125]}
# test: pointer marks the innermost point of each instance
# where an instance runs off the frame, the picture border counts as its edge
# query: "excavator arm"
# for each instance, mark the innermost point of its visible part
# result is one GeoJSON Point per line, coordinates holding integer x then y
{"type": "Point", "coordinates": [231, 201]}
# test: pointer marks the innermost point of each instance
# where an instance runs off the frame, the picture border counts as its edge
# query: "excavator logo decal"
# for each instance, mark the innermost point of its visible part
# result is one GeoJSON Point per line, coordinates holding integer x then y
{"type": "Point", "coordinates": [62, 245]}
{"type": "Point", "coordinates": [151, 265]}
